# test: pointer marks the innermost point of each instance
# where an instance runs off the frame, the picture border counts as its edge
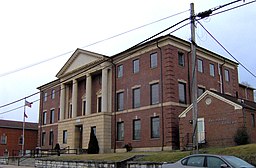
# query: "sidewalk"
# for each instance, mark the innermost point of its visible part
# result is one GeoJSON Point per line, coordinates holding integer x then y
{"type": "Point", "coordinates": [12, 166]}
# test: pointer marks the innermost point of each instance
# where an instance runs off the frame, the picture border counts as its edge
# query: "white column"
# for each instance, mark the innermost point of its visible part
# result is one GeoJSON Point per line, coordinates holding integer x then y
{"type": "Point", "coordinates": [74, 98]}
{"type": "Point", "coordinates": [62, 100]}
{"type": "Point", "coordinates": [88, 94]}
{"type": "Point", "coordinates": [104, 90]}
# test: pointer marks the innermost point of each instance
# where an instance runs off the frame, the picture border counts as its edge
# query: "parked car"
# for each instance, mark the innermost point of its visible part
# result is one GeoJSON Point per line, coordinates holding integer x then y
{"type": "Point", "coordinates": [210, 161]}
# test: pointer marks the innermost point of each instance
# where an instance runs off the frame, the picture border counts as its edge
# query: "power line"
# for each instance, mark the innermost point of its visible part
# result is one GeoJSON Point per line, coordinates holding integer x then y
{"type": "Point", "coordinates": [226, 50]}
{"type": "Point", "coordinates": [19, 100]}
{"type": "Point", "coordinates": [96, 65]}
{"type": "Point", "coordinates": [68, 52]}
{"type": "Point", "coordinates": [233, 8]}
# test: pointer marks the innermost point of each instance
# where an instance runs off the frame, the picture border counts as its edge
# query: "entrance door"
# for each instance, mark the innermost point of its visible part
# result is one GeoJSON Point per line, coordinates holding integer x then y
{"type": "Point", "coordinates": [200, 130]}
{"type": "Point", "coordinates": [79, 136]}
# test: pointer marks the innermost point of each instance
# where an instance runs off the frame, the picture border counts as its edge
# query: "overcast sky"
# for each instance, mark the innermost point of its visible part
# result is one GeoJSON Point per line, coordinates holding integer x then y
{"type": "Point", "coordinates": [33, 31]}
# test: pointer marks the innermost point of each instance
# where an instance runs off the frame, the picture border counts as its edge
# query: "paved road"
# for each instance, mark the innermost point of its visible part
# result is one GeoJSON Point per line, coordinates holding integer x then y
{"type": "Point", "coordinates": [12, 166]}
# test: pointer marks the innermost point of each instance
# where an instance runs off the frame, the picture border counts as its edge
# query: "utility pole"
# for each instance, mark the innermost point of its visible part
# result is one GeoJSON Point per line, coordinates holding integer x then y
{"type": "Point", "coordinates": [194, 79]}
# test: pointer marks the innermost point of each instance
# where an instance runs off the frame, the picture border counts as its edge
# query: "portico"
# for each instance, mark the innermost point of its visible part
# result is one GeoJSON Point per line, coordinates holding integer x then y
{"type": "Point", "coordinates": [80, 81]}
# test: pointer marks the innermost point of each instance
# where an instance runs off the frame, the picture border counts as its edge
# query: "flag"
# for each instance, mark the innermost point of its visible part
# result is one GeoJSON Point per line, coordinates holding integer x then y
{"type": "Point", "coordinates": [25, 115]}
{"type": "Point", "coordinates": [28, 103]}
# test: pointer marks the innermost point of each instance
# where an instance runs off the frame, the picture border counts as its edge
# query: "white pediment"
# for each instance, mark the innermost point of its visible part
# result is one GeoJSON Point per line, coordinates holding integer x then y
{"type": "Point", "coordinates": [79, 59]}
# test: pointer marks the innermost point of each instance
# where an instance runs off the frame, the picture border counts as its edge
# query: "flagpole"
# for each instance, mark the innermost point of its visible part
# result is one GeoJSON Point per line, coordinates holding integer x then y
{"type": "Point", "coordinates": [23, 129]}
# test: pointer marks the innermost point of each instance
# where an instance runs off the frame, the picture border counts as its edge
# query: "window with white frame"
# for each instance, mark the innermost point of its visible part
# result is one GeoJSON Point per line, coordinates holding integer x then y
{"type": "Point", "coordinates": [53, 94]}
{"type": "Point", "coordinates": [154, 93]}
{"type": "Point", "coordinates": [70, 110]}
{"type": "Point", "coordinates": [136, 66]}
{"type": "Point", "coordinates": [120, 101]}
{"type": "Point", "coordinates": [45, 96]}
{"type": "Point", "coordinates": [153, 60]}
{"type": "Point", "coordinates": [4, 139]}
{"type": "Point", "coordinates": [120, 71]}
{"type": "Point", "coordinates": [65, 137]}
{"type": "Point", "coordinates": [200, 65]}
{"type": "Point", "coordinates": [44, 117]}
{"type": "Point", "coordinates": [136, 97]}
{"type": "Point", "coordinates": [52, 116]}
{"type": "Point", "coordinates": [155, 127]}
{"type": "Point", "coordinates": [181, 59]}
{"type": "Point", "coordinates": [212, 70]}
{"type": "Point", "coordinates": [182, 92]}
{"type": "Point", "coordinates": [226, 75]}
{"type": "Point", "coordinates": [136, 129]}
{"type": "Point", "coordinates": [120, 131]}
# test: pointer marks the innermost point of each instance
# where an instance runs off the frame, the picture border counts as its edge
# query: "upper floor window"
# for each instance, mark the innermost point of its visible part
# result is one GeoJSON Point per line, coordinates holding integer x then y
{"type": "Point", "coordinates": [70, 110]}
{"type": "Point", "coordinates": [155, 127]}
{"type": "Point", "coordinates": [200, 65]}
{"type": "Point", "coordinates": [226, 75]}
{"type": "Point", "coordinates": [154, 93]}
{"type": "Point", "coordinates": [52, 116]}
{"type": "Point", "coordinates": [99, 102]}
{"type": "Point", "coordinates": [153, 60]}
{"type": "Point", "coordinates": [212, 70]}
{"type": "Point", "coordinates": [45, 96]}
{"type": "Point", "coordinates": [53, 94]}
{"type": "Point", "coordinates": [84, 106]}
{"type": "Point", "coordinates": [136, 129]}
{"type": "Point", "coordinates": [44, 117]}
{"type": "Point", "coordinates": [120, 101]}
{"type": "Point", "coordinates": [4, 139]}
{"type": "Point", "coordinates": [120, 70]}
{"type": "Point", "coordinates": [181, 59]}
{"type": "Point", "coordinates": [58, 114]}
{"type": "Point", "coordinates": [136, 98]}
{"type": "Point", "coordinates": [136, 66]}
{"type": "Point", "coordinates": [120, 131]}
{"type": "Point", "coordinates": [182, 92]}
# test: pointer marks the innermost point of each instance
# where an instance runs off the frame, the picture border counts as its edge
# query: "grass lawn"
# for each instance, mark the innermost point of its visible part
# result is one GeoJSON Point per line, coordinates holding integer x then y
{"type": "Point", "coordinates": [247, 152]}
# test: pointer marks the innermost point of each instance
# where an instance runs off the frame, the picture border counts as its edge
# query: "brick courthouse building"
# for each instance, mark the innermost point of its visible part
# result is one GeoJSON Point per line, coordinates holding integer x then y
{"type": "Point", "coordinates": [134, 97]}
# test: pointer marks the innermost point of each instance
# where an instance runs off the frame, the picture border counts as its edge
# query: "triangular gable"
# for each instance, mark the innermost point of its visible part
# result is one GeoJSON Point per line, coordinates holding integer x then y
{"type": "Point", "coordinates": [80, 58]}
{"type": "Point", "coordinates": [206, 93]}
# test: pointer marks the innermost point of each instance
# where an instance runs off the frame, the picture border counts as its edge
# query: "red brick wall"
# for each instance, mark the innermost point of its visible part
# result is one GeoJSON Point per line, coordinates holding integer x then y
{"type": "Point", "coordinates": [251, 128]}
{"type": "Point", "coordinates": [221, 122]}
{"type": "Point", "coordinates": [172, 74]}
{"type": "Point", "coordinates": [13, 136]}
{"type": "Point", "coordinates": [246, 93]}
{"type": "Point", "coordinates": [47, 106]}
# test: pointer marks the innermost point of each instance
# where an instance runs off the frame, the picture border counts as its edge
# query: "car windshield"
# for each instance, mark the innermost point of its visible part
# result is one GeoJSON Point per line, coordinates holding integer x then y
{"type": "Point", "coordinates": [237, 162]}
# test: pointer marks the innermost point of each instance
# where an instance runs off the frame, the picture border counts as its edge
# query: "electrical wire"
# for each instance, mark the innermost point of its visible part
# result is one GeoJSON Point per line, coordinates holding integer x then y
{"type": "Point", "coordinates": [226, 50]}
{"type": "Point", "coordinates": [233, 8]}
{"type": "Point", "coordinates": [95, 65]}
{"type": "Point", "coordinates": [68, 52]}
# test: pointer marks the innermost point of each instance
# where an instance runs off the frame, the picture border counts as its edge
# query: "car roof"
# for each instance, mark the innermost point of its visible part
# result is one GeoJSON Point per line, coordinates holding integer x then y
{"type": "Point", "coordinates": [205, 154]}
